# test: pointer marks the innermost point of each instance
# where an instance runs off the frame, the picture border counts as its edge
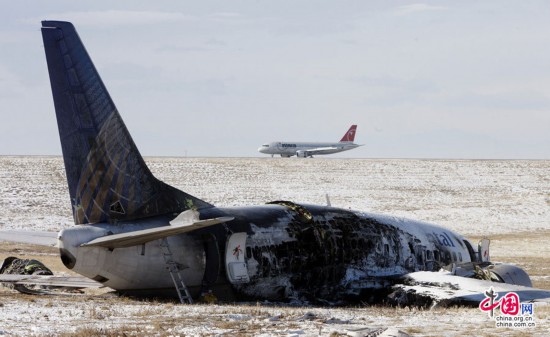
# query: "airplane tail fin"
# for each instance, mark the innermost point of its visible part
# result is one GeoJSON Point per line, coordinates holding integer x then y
{"type": "Point", "coordinates": [350, 135]}
{"type": "Point", "coordinates": [108, 179]}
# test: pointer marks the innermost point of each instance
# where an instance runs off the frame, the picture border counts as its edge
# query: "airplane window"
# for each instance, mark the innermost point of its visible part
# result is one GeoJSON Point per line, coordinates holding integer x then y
{"type": "Point", "coordinates": [460, 256]}
{"type": "Point", "coordinates": [436, 255]}
{"type": "Point", "coordinates": [265, 145]}
{"type": "Point", "coordinates": [141, 249]}
{"type": "Point", "coordinates": [454, 257]}
{"type": "Point", "coordinates": [429, 255]}
{"type": "Point", "coordinates": [419, 257]}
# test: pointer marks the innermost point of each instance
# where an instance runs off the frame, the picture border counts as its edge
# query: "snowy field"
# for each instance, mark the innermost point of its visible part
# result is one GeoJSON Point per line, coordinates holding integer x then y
{"type": "Point", "coordinates": [509, 200]}
{"type": "Point", "coordinates": [470, 196]}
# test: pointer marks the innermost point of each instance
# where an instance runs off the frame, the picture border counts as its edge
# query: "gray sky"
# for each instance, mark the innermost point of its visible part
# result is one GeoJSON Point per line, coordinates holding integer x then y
{"type": "Point", "coordinates": [429, 79]}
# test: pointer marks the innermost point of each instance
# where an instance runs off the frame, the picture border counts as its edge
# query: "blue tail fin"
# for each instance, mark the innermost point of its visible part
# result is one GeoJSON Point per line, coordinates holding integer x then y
{"type": "Point", "coordinates": [108, 179]}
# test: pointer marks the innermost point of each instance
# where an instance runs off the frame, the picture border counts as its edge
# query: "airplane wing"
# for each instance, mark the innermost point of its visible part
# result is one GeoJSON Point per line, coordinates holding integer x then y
{"type": "Point", "coordinates": [139, 237]}
{"type": "Point", "coordinates": [322, 150]}
{"type": "Point", "coordinates": [445, 288]}
{"type": "Point", "coordinates": [326, 150]}
{"type": "Point", "coordinates": [30, 237]}
{"type": "Point", "coordinates": [51, 280]}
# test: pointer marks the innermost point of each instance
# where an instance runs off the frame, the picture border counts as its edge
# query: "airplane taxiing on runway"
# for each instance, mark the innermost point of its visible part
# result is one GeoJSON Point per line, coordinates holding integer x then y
{"type": "Point", "coordinates": [138, 235]}
{"type": "Point", "coordinates": [309, 149]}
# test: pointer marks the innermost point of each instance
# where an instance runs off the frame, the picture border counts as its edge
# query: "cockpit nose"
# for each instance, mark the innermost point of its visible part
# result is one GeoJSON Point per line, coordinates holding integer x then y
{"type": "Point", "coordinates": [264, 148]}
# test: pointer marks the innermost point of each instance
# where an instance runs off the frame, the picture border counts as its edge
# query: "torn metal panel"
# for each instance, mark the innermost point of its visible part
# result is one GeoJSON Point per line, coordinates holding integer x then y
{"type": "Point", "coordinates": [325, 253]}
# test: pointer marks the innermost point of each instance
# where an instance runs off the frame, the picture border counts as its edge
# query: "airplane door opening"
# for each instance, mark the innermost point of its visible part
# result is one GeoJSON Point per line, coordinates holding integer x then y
{"type": "Point", "coordinates": [236, 267]}
{"type": "Point", "coordinates": [212, 259]}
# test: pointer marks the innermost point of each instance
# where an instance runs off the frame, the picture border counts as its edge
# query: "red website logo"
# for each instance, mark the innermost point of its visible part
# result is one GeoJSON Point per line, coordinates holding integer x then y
{"type": "Point", "coordinates": [509, 304]}
{"type": "Point", "coordinates": [513, 314]}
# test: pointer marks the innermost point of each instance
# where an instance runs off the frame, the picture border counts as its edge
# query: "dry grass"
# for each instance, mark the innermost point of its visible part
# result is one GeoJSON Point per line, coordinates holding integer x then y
{"type": "Point", "coordinates": [103, 332]}
{"type": "Point", "coordinates": [108, 317]}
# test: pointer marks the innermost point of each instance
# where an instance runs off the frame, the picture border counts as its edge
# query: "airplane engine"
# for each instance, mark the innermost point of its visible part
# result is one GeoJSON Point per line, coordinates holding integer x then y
{"type": "Point", "coordinates": [508, 273]}
{"type": "Point", "coordinates": [302, 154]}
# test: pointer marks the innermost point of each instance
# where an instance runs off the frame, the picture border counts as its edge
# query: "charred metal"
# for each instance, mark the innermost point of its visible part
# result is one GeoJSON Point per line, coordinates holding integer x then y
{"type": "Point", "coordinates": [315, 253]}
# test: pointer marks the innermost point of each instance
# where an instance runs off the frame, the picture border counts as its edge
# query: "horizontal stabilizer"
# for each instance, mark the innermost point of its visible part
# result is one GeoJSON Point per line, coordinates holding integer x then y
{"type": "Point", "coordinates": [30, 237]}
{"type": "Point", "coordinates": [135, 238]}
{"type": "Point", "coordinates": [48, 280]}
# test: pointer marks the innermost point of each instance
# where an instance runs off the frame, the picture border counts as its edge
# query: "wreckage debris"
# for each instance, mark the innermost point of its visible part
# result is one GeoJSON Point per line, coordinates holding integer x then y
{"type": "Point", "coordinates": [16, 266]}
{"type": "Point", "coordinates": [409, 298]}
{"type": "Point", "coordinates": [377, 332]}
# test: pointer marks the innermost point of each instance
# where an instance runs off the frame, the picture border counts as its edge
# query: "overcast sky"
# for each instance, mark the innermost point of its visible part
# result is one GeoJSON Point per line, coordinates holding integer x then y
{"type": "Point", "coordinates": [429, 79]}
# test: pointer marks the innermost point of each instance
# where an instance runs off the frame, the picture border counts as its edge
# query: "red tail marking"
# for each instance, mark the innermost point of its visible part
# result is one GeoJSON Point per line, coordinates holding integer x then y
{"type": "Point", "coordinates": [350, 134]}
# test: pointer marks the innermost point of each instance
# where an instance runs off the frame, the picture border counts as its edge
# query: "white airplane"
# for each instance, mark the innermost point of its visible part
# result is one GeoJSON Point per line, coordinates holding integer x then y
{"type": "Point", "coordinates": [304, 150]}
{"type": "Point", "coordinates": [137, 235]}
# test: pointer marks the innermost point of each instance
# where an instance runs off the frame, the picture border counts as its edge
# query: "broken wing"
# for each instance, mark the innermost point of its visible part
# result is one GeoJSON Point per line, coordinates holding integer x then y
{"type": "Point", "coordinates": [445, 288]}
{"type": "Point", "coordinates": [51, 280]}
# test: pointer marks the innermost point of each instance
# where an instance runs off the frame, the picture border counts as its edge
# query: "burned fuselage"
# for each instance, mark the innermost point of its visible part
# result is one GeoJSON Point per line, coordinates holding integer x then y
{"type": "Point", "coordinates": [278, 251]}
{"type": "Point", "coordinates": [288, 251]}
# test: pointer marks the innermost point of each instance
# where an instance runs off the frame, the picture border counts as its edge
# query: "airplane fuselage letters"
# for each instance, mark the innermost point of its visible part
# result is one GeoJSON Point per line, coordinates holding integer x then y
{"type": "Point", "coordinates": [444, 239]}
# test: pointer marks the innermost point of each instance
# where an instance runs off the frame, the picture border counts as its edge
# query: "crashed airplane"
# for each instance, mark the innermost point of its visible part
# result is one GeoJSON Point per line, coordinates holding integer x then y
{"type": "Point", "coordinates": [140, 236]}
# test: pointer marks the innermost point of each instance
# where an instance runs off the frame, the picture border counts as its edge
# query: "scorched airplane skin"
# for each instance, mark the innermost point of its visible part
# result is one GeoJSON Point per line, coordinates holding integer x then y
{"type": "Point", "coordinates": [138, 235]}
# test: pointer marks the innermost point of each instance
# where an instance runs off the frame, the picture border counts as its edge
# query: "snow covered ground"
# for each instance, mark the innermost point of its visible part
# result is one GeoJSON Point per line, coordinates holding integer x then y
{"type": "Point", "coordinates": [145, 319]}
{"type": "Point", "coordinates": [470, 196]}
{"type": "Point", "coordinates": [473, 197]}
